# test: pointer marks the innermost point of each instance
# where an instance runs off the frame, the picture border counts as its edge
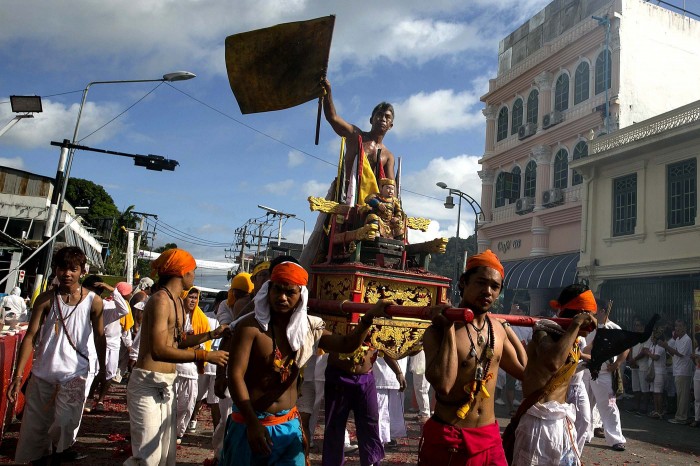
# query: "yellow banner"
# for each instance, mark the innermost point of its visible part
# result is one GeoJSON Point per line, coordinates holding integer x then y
{"type": "Point", "coordinates": [696, 312]}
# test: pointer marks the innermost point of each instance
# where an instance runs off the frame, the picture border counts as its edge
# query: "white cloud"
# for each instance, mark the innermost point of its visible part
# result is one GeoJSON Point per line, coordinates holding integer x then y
{"type": "Point", "coordinates": [438, 112]}
{"type": "Point", "coordinates": [458, 172]}
{"type": "Point", "coordinates": [315, 188]}
{"type": "Point", "coordinates": [57, 122]}
{"type": "Point", "coordinates": [295, 158]}
{"type": "Point", "coordinates": [279, 187]}
{"type": "Point", "coordinates": [15, 162]}
{"type": "Point", "coordinates": [128, 39]}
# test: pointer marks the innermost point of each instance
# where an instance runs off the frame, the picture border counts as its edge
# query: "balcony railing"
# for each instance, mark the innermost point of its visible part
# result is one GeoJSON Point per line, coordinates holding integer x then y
{"type": "Point", "coordinates": [507, 212]}
{"type": "Point", "coordinates": [666, 121]}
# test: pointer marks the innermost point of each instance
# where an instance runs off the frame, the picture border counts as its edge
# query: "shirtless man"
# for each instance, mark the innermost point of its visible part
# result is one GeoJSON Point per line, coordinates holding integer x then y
{"type": "Point", "coordinates": [269, 346]}
{"type": "Point", "coordinates": [546, 432]}
{"type": "Point", "coordinates": [462, 361]}
{"type": "Point", "coordinates": [382, 120]}
{"type": "Point", "coordinates": [151, 394]}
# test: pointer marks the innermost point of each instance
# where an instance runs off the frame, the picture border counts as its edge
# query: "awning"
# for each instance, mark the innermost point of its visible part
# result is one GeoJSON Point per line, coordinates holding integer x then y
{"type": "Point", "coordinates": [541, 272]}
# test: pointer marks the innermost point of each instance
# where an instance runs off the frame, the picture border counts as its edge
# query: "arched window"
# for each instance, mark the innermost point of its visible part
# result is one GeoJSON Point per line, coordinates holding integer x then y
{"type": "Point", "coordinates": [516, 118]}
{"type": "Point", "coordinates": [515, 182]}
{"type": "Point", "coordinates": [601, 80]}
{"type": "Point", "coordinates": [581, 83]}
{"type": "Point", "coordinates": [561, 169]}
{"type": "Point", "coordinates": [530, 179]}
{"type": "Point", "coordinates": [532, 104]}
{"type": "Point", "coordinates": [502, 131]}
{"type": "Point", "coordinates": [500, 190]}
{"type": "Point", "coordinates": [580, 151]}
{"type": "Point", "coordinates": [561, 93]}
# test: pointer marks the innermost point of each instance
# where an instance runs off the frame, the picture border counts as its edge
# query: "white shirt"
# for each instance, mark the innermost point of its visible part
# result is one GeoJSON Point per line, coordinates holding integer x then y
{"type": "Point", "coordinates": [682, 365]}
{"type": "Point", "coordinates": [642, 362]}
{"type": "Point", "coordinates": [384, 376]}
{"type": "Point", "coordinates": [55, 359]}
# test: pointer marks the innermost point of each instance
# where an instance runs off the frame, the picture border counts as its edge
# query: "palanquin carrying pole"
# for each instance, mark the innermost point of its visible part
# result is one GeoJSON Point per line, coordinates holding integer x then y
{"type": "Point", "coordinates": [455, 314]}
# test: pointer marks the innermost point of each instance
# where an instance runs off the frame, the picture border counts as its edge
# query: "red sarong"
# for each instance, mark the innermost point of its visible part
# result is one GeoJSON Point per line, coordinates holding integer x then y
{"type": "Point", "coordinates": [461, 446]}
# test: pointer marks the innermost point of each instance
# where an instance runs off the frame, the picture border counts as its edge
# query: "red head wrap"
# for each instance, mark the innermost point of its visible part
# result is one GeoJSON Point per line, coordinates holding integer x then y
{"type": "Point", "coordinates": [174, 263]}
{"type": "Point", "coordinates": [583, 302]}
{"type": "Point", "coordinates": [290, 273]}
{"type": "Point", "coordinates": [486, 259]}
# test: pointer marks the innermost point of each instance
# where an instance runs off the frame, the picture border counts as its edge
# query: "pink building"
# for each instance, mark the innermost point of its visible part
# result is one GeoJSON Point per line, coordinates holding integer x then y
{"type": "Point", "coordinates": [559, 75]}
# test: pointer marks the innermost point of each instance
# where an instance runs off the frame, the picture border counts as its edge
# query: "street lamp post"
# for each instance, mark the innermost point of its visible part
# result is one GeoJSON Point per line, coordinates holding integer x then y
{"type": "Point", "coordinates": [449, 204]}
{"type": "Point", "coordinates": [64, 165]}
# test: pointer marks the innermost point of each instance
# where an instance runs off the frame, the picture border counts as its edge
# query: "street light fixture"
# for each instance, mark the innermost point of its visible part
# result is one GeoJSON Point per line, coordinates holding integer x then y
{"type": "Point", "coordinates": [279, 214]}
{"type": "Point", "coordinates": [24, 104]}
{"type": "Point", "coordinates": [66, 160]}
{"type": "Point", "coordinates": [449, 204]}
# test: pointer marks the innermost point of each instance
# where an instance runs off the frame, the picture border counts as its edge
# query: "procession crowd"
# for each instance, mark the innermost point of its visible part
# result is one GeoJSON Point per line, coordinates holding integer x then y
{"type": "Point", "coordinates": [264, 367]}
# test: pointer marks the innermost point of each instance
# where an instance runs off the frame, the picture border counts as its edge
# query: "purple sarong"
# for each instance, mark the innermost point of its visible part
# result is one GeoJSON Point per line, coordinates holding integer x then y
{"type": "Point", "coordinates": [357, 392]}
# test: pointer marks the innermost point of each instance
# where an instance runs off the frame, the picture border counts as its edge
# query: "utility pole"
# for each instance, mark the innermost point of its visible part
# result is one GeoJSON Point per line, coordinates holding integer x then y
{"type": "Point", "coordinates": [240, 257]}
{"type": "Point", "coordinates": [135, 259]}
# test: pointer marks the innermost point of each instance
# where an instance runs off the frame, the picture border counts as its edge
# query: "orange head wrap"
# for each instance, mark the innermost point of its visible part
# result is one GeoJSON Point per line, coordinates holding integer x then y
{"type": "Point", "coordinates": [486, 259]}
{"type": "Point", "coordinates": [290, 273]}
{"type": "Point", "coordinates": [174, 263]}
{"type": "Point", "coordinates": [583, 302]}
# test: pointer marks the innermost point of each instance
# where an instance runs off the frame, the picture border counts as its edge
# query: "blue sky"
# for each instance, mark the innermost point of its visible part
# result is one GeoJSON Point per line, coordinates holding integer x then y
{"type": "Point", "coordinates": [432, 60]}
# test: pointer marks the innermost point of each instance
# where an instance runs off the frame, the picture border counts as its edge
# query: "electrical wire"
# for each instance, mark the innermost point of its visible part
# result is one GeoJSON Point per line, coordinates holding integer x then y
{"type": "Point", "coordinates": [172, 228]}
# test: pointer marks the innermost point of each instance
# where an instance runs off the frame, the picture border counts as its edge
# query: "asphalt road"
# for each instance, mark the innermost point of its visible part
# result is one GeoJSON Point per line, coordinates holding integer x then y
{"type": "Point", "coordinates": [104, 438]}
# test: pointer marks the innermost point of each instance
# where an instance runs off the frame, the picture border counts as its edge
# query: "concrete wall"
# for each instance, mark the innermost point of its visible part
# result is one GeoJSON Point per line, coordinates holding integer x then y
{"type": "Point", "coordinates": [659, 61]}
{"type": "Point", "coordinates": [552, 21]}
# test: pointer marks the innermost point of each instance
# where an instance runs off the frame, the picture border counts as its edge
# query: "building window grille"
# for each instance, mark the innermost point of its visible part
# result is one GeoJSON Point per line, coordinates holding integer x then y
{"type": "Point", "coordinates": [581, 83]}
{"type": "Point", "coordinates": [601, 80]}
{"type": "Point", "coordinates": [515, 183]}
{"type": "Point", "coordinates": [502, 131]}
{"type": "Point", "coordinates": [516, 117]}
{"type": "Point", "coordinates": [561, 169]}
{"type": "Point", "coordinates": [561, 93]}
{"type": "Point", "coordinates": [532, 106]}
{"type": "Point", "coordinates": [682, 182]}
{"type": "Point", "coordinates": [530, 179]}
{"type": "Point", "coordinates": [500, 190]}
{"type": "Point", "coordinates": [580, 151]}
{"type": "Point", "coordinates": [624, 205]}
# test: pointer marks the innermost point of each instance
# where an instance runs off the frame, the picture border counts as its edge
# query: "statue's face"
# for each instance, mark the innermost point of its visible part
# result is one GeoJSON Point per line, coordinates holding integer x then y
{"type": "Point", "coordinates": [387, 191]}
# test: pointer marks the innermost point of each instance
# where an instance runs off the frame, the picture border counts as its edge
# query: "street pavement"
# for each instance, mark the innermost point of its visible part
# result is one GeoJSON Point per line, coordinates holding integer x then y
{"type": "Point", "coordinates": [104, 438]}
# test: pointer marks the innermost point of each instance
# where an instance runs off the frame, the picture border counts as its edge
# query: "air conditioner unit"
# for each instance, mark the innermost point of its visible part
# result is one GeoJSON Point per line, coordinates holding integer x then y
{"type": "Point", "coordinates": [552, 197]}
{"type": "Point", "coordinates": [552, 119]}
{"type": "Point", "coordinates": [527, 130]}
{"type": "Point", "coordinates": [524, 205]}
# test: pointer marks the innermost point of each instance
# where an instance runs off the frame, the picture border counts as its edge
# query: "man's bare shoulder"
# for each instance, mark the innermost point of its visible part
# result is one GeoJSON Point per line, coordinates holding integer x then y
{"type": "Point", "coordinates": [44, 300]}
{"type": "Point", "coordinates": [248, 323]}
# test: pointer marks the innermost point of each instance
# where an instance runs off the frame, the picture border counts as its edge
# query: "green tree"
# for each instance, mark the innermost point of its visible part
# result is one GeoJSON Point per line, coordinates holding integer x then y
{"type": "Point", "coordinates": [85, 193]}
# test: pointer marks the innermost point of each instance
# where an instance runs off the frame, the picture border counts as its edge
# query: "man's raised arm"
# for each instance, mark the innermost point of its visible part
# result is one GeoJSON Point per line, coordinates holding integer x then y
{"type": "Point", "coordinates": [340, 126]}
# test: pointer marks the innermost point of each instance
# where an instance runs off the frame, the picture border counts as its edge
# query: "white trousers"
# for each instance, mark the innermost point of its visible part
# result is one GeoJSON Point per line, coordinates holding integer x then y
{"type": "Point", "coordinates": [150, 398]}
{"type": "Point", "coordinates": [578, 396]}
{"type": "Point", "coordinates": [391, 421]}
{"type": "Point", "coordinates": [52, 414]}
{"type": "Point", "coordinates": [546, 435]}
{"type": "Point", "coordinates": [186, 390]}
{"type": "Point", "coordinates": [421, 388]}
{"type": "Point", "coordinates": [217, 439]}
{"type": "Point", "coordinates": [606, 402]}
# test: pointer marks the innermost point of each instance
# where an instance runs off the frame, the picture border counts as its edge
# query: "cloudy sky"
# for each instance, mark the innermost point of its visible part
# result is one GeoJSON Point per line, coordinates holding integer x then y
{"type": "Point", "coordinates": [432, 60]}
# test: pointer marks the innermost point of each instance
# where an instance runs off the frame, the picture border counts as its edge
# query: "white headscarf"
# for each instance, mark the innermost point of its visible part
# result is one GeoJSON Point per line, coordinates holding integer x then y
{"type": "Point", "coordinates": [298, 325]}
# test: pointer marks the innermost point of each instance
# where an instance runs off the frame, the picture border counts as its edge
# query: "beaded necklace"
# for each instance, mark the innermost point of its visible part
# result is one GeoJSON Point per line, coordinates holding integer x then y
{"type": "Point", "coordinates": [279, 364]}
{"type": "Point", "coordinates": [61, 316]}
{"type": "Point", "coordinates": [481, 369]}
{"type": "Point", "coordinates": [177, 332]}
